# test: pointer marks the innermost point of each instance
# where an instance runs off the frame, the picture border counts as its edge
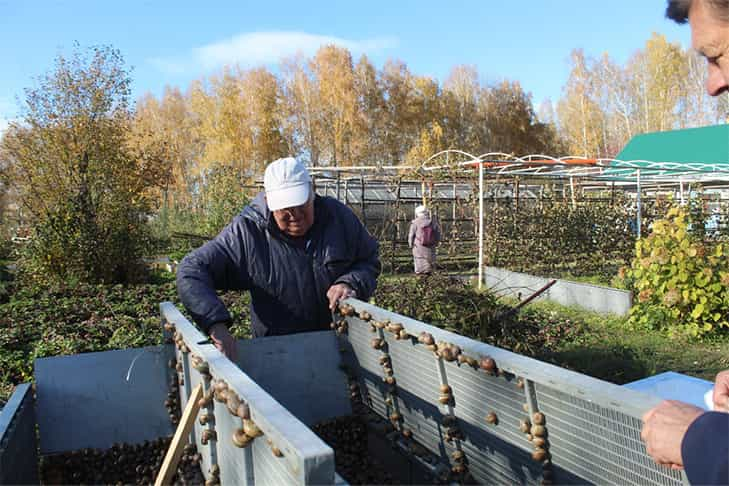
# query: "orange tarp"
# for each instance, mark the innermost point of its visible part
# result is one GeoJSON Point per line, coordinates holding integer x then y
{"type": "Point", "coordinates": [503, 163]}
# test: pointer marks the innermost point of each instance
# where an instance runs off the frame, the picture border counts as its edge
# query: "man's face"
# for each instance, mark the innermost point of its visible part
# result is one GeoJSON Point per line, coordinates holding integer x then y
{"type": "Point", "coordinates": [710, 37]}
{"type": "Point", "coordinates": [297, 220]}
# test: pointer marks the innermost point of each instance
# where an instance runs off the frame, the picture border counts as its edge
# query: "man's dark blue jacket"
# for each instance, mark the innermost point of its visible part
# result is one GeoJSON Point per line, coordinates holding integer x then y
{"type": "Point", "coordinates": [288, 279]}
{"type": "Point", "coordinates": [705, 449]}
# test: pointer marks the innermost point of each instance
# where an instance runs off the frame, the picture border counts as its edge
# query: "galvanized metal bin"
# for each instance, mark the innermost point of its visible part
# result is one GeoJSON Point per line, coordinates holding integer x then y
{"type": "Point", "coordinates": [18, 457]}
{"type": "Point", "coordinates": [591, 428]}
{"type": "Point", "coordinates": [303, 459]}
{"type": "Point", "coordinates": [95, 400]}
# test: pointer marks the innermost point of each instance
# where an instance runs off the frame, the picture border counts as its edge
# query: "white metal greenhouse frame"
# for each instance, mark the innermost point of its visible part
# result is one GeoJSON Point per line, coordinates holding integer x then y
{"type": "Point", "coordinates": [601, 173]}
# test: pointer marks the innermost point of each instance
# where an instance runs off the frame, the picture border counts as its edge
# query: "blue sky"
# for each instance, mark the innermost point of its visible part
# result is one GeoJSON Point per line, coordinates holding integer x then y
{"type": "Point", "coordinates": [172, 43]}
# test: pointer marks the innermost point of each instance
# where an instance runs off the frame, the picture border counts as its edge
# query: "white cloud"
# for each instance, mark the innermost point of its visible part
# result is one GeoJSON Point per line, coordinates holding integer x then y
{"type": "Point", "coordinates": [258, 48]}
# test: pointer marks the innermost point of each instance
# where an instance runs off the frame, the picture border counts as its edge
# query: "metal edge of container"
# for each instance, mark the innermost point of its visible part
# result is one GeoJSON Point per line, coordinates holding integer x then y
{"type": "Point", "coordinates": [308, 457]}
{"type": "Point", "coordinates": [7, 414]}
{"type": "Point", "coordinates": [16, 412]}
{"type": "Point", "coordinates": [599, 392]}
{"type": "Point", "coordinates": [591, 391]}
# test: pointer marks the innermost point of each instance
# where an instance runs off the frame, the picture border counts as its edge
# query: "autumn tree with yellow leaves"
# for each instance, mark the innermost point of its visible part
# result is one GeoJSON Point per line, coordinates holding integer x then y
{"type": "Point", "coordinates": [661, 87]}
{"type": "Point", "coordinates": [84, 181]}
{"type": "Point", "coordinates": [332, 111]}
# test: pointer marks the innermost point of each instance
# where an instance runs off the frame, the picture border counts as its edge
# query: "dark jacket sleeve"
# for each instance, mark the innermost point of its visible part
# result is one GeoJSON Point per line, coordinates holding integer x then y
{"type": "Point", "coordinates": [705, 449]}
{"type": "Point", "coordinates": [217, 265]}
{"type": "Point", "coordinates": [362, 274]}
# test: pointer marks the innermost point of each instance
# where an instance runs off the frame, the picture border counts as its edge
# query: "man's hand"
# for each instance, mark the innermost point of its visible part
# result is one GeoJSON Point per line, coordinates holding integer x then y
{"type": "Point", "coordinates": [338, 292]}
{"type": "Point", "coordinates": [663, 429]}
{"type": "Point", "coordinates": [223, 340]}
{"type": "Point", "coordinates": [721, 392]}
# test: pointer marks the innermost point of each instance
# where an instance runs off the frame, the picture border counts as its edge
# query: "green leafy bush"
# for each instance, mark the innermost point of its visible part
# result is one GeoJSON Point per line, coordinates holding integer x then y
{"type": "Point", "coordinates": [221, 196]}
{"type": "Point", "coordinates": [224, 198]}
{"type": "Point", "coordinates": [66, 246]}
{"type": "Point", "coordinates": [454, 305]}
{"type": "Point", "coordinates": [681, 282]}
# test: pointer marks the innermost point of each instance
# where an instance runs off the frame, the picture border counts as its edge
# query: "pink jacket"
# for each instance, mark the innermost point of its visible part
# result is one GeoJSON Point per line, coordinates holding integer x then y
{"type": "Point", "coordinates": [424, 256]}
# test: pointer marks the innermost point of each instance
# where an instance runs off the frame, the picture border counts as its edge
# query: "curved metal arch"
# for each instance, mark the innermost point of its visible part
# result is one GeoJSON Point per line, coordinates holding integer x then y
{"type": "Point", "coordinates": [491, 155]}
{"type": "Point", "coordinates": [424, 166]}
{"type": "Point", "coordinates": [543, 165]}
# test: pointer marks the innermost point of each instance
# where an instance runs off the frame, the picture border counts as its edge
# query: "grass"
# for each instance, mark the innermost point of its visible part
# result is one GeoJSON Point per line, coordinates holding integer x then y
{"type": "Point", "coordinates": [604, 347]}
{"type": "Point", "coordinates": [597, 345]}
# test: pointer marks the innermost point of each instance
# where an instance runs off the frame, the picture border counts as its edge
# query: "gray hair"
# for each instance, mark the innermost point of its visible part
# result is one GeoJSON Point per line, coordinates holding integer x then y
{"type": "Point", "coordinates": [678, 10]}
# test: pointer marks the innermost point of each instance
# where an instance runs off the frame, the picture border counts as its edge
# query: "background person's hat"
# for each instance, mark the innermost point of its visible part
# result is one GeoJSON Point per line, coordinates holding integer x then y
{"type": "Point", "coordinates": [287, 184]}
{"type": "Point", "coordinates": [420, 210]}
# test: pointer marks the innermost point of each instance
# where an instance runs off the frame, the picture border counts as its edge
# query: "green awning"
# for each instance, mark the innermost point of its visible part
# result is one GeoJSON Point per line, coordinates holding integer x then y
{"type": "Point", "coordinates": [705, 145]}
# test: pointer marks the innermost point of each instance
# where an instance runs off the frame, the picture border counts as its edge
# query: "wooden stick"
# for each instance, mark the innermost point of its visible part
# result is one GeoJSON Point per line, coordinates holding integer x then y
{"type": "Point", "coordinates": [524, 302]}
{"type": "Point", "coordinates": [169, 465]}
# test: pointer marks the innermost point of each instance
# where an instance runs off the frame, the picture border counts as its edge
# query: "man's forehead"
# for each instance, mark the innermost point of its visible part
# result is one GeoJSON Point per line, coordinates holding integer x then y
{"type": "Point", "coordinates": [703, 26]}
{"type": "Point", "coordinates": [697, 40]}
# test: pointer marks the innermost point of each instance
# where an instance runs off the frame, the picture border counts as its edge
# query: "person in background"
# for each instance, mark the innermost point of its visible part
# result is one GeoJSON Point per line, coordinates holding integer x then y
{"type": "Point", "coordinates": [677, 434]}
{"type": "Point", "coordinates": [712, 224]}
{"type": "Point", "coordinates": [423, 237]}
{"type": "Point", "coordinates": [296, 252]}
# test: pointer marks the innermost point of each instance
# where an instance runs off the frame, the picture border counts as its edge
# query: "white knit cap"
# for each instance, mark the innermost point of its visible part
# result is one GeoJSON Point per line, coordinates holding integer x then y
{"type": "Point", "coordinates": [287, 184]}
{"type": "Point", "coordinates": [420, 210]}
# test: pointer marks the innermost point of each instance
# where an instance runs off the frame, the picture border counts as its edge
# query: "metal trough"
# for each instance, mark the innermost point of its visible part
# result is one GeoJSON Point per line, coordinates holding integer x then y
{"type": "Point", "coordinates": [591, 429]}
{"type": "Point", "coordinates": [95, 400]}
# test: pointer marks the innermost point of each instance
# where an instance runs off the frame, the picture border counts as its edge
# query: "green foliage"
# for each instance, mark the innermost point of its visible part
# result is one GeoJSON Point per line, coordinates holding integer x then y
{"type": "Point", "coordinates": [586, 240]}
{"type": "Point", "coordinates": [682, 282]}
{"type": "Point", "coordinates": [223, 199]}
{"type": "Point", "coordinates": [592, 237]}
{"type": "Point", "coordinates": [62, 319]}
{"type": "Point", "coordinates": [589, 343]}
{"type": "Point", "coordinates": [441, 301]}
{"type": "Point", "coordinates": [42, 321]}
{"type": "Point", "coordinates": [454, 305]}
{"type": "Point", "coordinates": [600, 347]}
{"type": "Point", "coordinates": [66, 245]}
{"type": "Point", "coordinates": [555, 238]}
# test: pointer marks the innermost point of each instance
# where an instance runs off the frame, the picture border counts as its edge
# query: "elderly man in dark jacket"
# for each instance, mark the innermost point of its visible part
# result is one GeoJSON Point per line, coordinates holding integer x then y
{"type": "Point", "coordinates": [296, 252]}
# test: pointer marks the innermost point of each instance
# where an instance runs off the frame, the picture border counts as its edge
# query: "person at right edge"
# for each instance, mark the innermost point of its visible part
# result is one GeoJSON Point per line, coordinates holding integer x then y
{"type": "Point", "coordinates": [679, 435]}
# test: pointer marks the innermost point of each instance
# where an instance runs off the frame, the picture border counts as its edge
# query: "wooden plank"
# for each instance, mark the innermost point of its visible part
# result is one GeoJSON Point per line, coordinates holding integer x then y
{"type": "Point", "coordinates": [169, 465]}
